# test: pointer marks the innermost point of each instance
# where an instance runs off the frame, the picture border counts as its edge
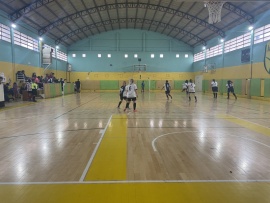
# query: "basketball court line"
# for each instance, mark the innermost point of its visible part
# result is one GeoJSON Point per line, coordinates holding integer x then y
{"type": "Point", "coordinates": [154, 140]}
{"type": "Point", "coordinates": [247, 124]}
{"type": "Point", "coordinates": [50, 132]}
{"type": "Point", "coordinates": [94, 152]}
{"type": "Point", "coordinates": [134, 181]}
{"type": "Point", "coordinates": [110, 160]}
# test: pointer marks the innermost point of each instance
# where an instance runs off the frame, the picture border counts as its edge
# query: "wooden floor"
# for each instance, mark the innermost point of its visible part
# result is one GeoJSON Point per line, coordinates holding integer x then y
{"type": "Point", "coordinates": [82, 148]}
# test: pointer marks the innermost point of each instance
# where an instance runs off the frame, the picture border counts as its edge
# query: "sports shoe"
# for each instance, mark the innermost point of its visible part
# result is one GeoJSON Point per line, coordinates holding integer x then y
{"type": "Point", "coordinates": [135, 110]}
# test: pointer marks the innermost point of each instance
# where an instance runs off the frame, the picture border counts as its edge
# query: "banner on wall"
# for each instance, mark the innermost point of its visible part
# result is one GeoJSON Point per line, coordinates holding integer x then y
{"type": "Point", "coordinates": [267, 58]}
{"type": "Point", "coordinates": [245, 56]}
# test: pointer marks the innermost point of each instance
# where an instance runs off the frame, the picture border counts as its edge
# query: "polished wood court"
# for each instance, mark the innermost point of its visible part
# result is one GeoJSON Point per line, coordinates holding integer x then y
{"type": "Point", "coordinates": [80, 147]}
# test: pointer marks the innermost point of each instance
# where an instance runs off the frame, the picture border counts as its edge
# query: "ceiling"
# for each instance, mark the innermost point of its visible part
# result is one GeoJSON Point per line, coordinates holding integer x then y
{"type": "Point", "coordinates": [68, 21]}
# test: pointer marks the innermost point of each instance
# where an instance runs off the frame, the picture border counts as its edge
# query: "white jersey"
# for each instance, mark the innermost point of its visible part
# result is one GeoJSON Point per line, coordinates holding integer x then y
{"type": "Point", "coordinates": [125, 91]}
{"type": "Point", "coordinates": [191, 87]}
{"type": "Point", "coordinates": [214, 84]}
{"type": "Point", "coordinates": [132, 91]}
{"type": "Point", "coordinates": [184, 85]}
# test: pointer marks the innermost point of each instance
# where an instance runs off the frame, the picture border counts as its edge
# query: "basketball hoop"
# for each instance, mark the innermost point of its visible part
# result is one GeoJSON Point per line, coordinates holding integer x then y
{"type": "Point", "coordinates": [214, 8]}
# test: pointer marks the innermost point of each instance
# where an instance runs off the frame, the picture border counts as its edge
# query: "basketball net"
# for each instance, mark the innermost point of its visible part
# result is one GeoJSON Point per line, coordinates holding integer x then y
{"type": "Point", "coordinates": [214, 8]}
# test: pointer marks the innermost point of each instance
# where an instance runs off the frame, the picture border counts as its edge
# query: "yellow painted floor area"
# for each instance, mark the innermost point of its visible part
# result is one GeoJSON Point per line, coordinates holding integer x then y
{"type": "Point", "coordinates": [246, 124]}
{"type": "Point", "coordinates": [138, 193]}
{"type": "Point", "coordinates": [110, 161]}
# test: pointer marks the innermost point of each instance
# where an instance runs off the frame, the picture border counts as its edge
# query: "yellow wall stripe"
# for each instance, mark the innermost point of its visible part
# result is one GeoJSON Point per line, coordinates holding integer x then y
{"type": "Point", "coordinates": [246, 124]}
{"type": "Point", "coordinates": [110, 161]}
{"type": "Point", "coordinates": [248, 192]}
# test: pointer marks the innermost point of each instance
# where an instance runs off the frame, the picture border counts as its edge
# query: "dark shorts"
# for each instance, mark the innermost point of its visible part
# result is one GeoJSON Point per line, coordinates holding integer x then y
{"type": "Point", "coordinates": [230, 90]}
{"type": "Point", "coordinates": [125, 98]}
{"type": "Point", "coordinates": [132, 99]}
{"type": "Point", "coordinates": [167, 92]}
{"type": "Point", "coordinates": [215, 89]}
{"type": "Point", "coordinates": [34, 92]}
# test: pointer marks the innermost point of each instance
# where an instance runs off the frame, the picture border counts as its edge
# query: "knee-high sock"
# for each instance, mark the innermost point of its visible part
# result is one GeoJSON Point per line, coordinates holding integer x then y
{"type": "Point", "coordinates": [134, 106]}
{"type": "Point", "coordinates": [119, 103]}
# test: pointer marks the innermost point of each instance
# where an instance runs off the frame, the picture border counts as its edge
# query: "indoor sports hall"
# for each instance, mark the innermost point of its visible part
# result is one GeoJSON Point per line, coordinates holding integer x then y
{"type": "Point", "coordinates": [135, 101]}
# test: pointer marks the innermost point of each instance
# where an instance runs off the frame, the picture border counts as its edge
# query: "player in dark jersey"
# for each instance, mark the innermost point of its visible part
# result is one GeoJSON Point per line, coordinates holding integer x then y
{"type": "Point", "coordinates": [229, 85]}
{"type": "Point", "coordinates": [167, 88]}
{"type": "Point", "coordinates": [121, 93]}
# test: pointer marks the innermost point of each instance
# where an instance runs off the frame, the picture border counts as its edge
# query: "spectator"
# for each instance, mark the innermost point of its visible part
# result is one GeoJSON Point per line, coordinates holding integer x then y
{"type": "Point", "coordinates": [78, 85]}
{"type": "Point", "coordinates": [15, 90]}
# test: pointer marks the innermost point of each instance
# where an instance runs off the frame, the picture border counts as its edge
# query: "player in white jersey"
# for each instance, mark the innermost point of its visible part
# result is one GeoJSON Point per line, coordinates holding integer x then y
{"type": "Point", "coordinates": [167, 88]}
{"type": "Point", "coordinates": [185, 86]}
{"type": "Point", "coordinates": [132, 94]}
{"type": "Point", "coordinates": [191, 90]}
{"type": "Point", "coordinates": [214, 86]}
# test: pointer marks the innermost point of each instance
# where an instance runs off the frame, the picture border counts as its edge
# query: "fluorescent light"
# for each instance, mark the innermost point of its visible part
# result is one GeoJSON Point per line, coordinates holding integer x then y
{"type": "Point", "coordinates": [250, 27]}
{"type": "Point", "coordinates": [186, 55]}
{"type": "Point", "coordinates": [83, 55]}
{"type": "Point", "coordinates": [222, 40]}
{"type": "Point", "coordinates": [177, 55]}
{"type": "Point", "coordinates": [161, 55]}
{"type": "Point", "coordinates": [135, 55]}
{"type": "Point", "coordinates": [99, 55]}
{"type": "Point", "coordinates": [13, 25]}
{"type": "Point", "coordinates": [203, 47]}
{"type": "Point", "coordinates": [40, 39]}
{"type": "Point", "coordinates": [126, 55]}
{"type": "Point", "coordinates": [73, 55]}
{"type": "Point", "coordinates": [109, 55]}
{"type": "Point", "coordinates": [152, 56]}
{"type": "Point", "coordinates": [57, 47]}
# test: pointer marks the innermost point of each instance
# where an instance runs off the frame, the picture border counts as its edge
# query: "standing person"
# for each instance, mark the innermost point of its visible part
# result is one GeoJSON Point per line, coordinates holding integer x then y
{"type": "Point", "coordinates": [191, 90]}
{"type": "Point", "coordinates": [214, 86]}
{"type": "Point", "coordinates": [121, 94]}
{"type": "Point", "coordinates": [29, 89]}
{"type": "Point", "coordinates": [229, 85]}
{"type": "Point", "coordinates": [15, 90]}
{"type": "Point", "coordinates": [78, 85]}
{"type": "Point", "coordinates": [142, 85]}
{"type": "Point", "coordinates": [167, 88]}
{"type": "Point", "coordinates": [132, 94]}
{"type": "Point", "coordinates": [34, 90]}
{"type": "Point", "coordinates": [185, 86]}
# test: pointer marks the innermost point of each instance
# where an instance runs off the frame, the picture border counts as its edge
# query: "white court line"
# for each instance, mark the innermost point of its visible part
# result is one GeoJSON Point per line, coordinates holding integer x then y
{"type": "Point", "coordinates": [132, 181]}
{"type": "Point", "coordinates": [95, 151]}
{"type": "Point", "coordinates": [154, 140]}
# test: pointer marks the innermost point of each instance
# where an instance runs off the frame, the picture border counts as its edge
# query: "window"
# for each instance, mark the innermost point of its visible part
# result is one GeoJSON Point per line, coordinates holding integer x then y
{"type": "Point", "coordinates": [5, 33]}
{"type": "Point", "coordinates": [238, 43]}
{"type": "Point", "coordinates": [25, 41]}
{"type": "Point", "coordinates": [262, 34]}
{"type": "Point", "coordinates": [214, 51]}
{"type": "Point", "coordinates": [199, 56]}
{"type": "Point", "coordinates": [61, 55]}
